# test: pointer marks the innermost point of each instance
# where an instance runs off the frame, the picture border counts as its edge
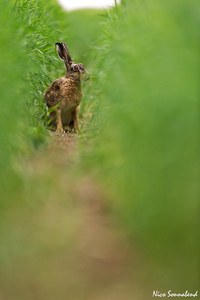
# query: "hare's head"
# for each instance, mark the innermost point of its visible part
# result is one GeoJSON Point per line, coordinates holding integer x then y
{"type": "Point", "coordinates": [78, 71]}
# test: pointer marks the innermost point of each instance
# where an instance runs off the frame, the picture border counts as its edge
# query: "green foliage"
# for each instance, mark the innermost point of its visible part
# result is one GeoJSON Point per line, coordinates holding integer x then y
{"type": "Point", "coordinates": [39, 25]}
{"type": "Point", "coordinates": [85, 28]}
{"type": "Point", "coordinates": [147, 113]}
{"type": "Point", "coordinates": [12, 100]}
{"type": "Point", "coordinates": [28, 63]}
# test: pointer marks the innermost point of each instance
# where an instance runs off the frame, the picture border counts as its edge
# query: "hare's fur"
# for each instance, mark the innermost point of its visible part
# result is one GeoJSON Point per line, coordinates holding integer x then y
{"type": "Point", "coordinates": [64, 95]}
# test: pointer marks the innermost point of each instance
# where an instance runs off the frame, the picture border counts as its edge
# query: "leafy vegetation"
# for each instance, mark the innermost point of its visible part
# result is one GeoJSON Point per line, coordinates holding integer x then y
{"type": "Point", "coordinates": [39, 24]}
{"type": "Point", "coordinates": [148, 77]}
{"type": "Point", "coordinates": [29, 64]}
{"type": "Point", "coordinates": [12, 100]}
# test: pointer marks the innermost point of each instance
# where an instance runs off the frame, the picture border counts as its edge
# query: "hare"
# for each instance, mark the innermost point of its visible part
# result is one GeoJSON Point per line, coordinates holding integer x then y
{"type": "Point", "coordinates": [64, 95]}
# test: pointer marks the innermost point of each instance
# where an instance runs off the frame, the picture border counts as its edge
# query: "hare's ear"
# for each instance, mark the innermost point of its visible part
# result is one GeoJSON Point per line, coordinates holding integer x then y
{"type": "Point", "coordinates": [64, 55]}
{"type": "Point", "coordinates": [67, 53]}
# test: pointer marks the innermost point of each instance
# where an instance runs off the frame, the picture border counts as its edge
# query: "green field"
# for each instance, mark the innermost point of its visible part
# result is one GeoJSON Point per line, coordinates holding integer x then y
{"type": "Point", "coordinates": [128, 180]}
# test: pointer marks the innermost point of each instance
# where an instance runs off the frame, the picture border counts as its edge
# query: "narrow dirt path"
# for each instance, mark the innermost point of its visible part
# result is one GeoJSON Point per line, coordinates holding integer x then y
{"type": "Point", "coordinates": [81, 251]}
{"type": "Point", "coordinates": [103, 256]}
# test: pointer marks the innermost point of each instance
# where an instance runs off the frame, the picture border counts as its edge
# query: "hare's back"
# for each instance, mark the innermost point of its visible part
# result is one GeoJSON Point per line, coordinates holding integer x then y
{"type": "Point", "coordinates": [56, 91]}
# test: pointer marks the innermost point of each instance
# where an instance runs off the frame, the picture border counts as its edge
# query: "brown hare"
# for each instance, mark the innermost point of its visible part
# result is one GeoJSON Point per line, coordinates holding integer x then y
{"type": "Point", "coordinates": [64, 95]}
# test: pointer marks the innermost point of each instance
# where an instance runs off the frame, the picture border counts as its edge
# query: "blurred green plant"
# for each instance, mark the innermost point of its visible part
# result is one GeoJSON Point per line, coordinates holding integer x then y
{"type": "Point", "coordinates": [147, 89]}
{"type": "Point", "coordinates": [12, 102]}
{"type": "Point", "coordinates": [85, 27]}
{"type": "Point", "coordinates": [40, 25]}
{"type": "Point", "coordinates": [28, 64]}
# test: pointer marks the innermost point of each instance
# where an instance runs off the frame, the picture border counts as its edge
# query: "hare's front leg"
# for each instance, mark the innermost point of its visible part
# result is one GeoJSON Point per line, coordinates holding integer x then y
{"type": "Point", "coordinates": [75, 119]}
{"type": "Point", "coordinates": [59, 121]}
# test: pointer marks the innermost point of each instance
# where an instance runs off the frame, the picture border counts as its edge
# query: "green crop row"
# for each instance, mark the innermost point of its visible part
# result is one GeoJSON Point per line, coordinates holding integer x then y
{"type": "Point", "coordinates": [147, 110]}
{"type": "Point", "coordinates": [28, 64]}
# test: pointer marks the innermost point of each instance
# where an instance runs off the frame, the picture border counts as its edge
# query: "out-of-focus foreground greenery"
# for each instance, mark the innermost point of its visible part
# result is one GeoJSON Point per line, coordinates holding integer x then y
{"type": "Point", "coordinates": [141, 114]}
{"type": "Point", "coordinates": [148, 77]}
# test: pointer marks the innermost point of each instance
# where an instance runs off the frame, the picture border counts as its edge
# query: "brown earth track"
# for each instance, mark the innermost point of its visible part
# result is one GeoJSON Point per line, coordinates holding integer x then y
{"type": "Point", "coordinates": [104, 258]}
{"type": "Point", "coordinates": [72, 247]}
